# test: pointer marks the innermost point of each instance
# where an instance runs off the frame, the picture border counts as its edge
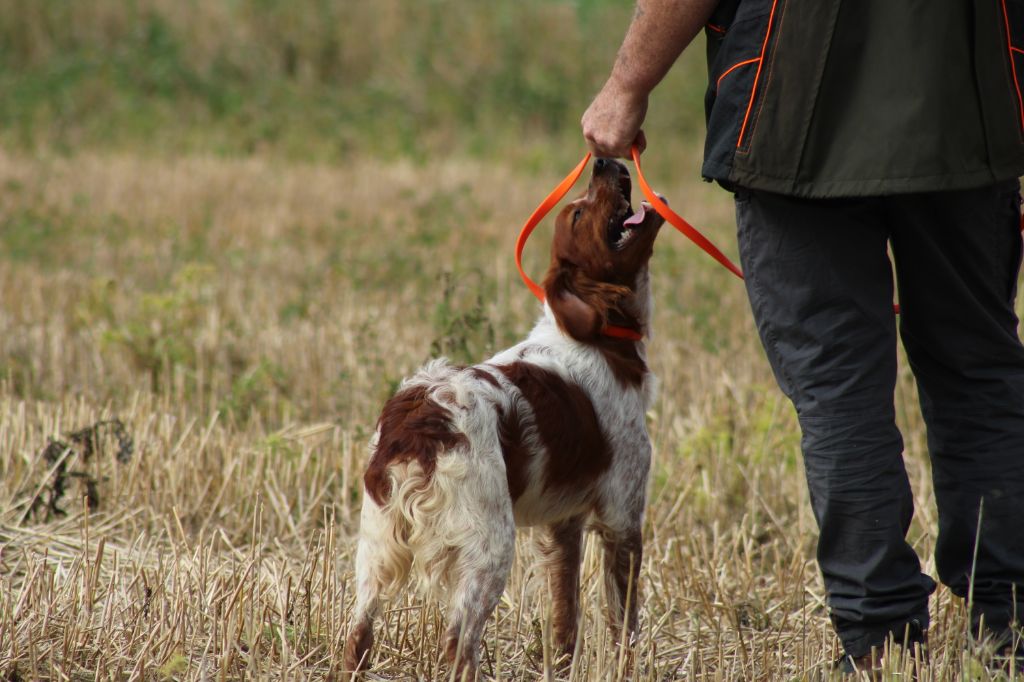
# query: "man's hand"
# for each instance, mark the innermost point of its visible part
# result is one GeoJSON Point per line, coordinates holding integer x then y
{"type": "Point", "coordinates": [611, 124]}
{"type": "Point", "coordinates": [658, 34]}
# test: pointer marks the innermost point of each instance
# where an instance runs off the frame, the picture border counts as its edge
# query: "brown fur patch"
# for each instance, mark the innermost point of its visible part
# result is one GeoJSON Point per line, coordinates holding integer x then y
{"type": "Point", "coordinates": [485, 376]}
{"type": "Point", "coordinates": [589, 281]}
{"type": "Point", "coordinates": [623, 359]}
{"type": "Point", "coordinates": [357, 648]}
{"type": "Point", "coordinates": [562, 548]}
{"type": "Point", "coordinates": [623, 557]}
{"type": "Point", "coordinates": [514, 452]}
{"type": "Point", "coordinates": [412, 428]}
{"type": "Point", "coordinates": [510, 436]}
{"type": "Point", "coordinates": [578, 451]}
{"type": "Point", "coordinates": [582, 308]}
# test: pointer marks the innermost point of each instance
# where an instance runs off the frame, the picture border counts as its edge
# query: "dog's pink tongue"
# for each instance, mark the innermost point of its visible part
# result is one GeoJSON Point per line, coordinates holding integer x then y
{"type": "Point", "coordinates": [638, 217]}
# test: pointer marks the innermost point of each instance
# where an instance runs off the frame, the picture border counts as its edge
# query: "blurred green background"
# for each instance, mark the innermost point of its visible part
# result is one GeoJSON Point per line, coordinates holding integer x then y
{"type": "Point", "coordinates": [324, 80]}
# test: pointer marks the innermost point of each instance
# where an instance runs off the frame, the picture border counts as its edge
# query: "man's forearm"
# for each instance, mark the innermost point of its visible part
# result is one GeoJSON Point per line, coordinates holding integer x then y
{"type": "Point", "coordinates": [659, 32]}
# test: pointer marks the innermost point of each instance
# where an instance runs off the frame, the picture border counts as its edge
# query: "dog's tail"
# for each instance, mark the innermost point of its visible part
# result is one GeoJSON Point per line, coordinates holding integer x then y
{"type": "Point", "coordinates": [416, 511]}
{"type": "Point", "coordinates": [418, 528]}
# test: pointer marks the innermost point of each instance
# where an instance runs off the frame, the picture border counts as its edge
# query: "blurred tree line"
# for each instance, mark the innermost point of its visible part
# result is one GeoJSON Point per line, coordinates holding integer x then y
{"type": "Point", "coordinates": [316, 79]}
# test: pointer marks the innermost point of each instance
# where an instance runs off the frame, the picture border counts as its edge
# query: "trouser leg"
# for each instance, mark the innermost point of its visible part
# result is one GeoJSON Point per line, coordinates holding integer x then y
{"type": "Point", "coordinates": [820, 287]}
{"type": "Point", "coordinates": [957, 257]}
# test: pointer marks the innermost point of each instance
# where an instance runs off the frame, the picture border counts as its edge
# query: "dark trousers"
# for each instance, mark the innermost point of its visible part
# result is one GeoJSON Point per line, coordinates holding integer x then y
{"type": "Point", "coordinates": [820, 285]}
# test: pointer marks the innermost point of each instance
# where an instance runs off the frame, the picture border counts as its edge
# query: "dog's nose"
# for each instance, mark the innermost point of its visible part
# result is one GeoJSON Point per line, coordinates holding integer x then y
{"type": "Point", "coordinates": [603, 165]}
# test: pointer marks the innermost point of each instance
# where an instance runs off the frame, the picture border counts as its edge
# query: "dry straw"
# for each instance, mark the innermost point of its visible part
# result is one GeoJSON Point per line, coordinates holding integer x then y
{"type": "Point", "coordinates": [245, 320]}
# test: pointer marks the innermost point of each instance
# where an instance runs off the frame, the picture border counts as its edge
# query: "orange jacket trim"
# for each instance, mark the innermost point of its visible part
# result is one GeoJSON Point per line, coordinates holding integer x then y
{"type": "Point", "coordinates": [734, 67]}
{"type": "Point", "coordinates": [757, 76]}
{"type": "Point", "coordinates": [1013, 66]}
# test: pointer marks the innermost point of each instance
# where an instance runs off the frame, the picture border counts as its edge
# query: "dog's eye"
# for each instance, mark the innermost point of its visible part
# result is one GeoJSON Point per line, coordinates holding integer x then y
{"type": "Point", "coordinates": [576, 215]}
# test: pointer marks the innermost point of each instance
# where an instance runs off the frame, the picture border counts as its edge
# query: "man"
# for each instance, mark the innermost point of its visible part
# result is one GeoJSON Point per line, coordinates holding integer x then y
{"type": "Point", "coordinates": [843, 128]}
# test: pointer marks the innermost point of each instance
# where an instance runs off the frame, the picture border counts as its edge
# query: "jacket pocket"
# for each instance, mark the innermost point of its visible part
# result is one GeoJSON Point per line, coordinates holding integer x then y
{"type": "Point", "coordinates": [733, 61]}
{"type": "Point", "coordinates": [721, 18]}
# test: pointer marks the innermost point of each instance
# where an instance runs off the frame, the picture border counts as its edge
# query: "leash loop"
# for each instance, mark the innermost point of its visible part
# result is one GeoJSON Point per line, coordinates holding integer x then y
{"type": "Point", "coordinates": [538, 215]}
{"type": "Point", "coordinates": [673, 218]}
{"type": "Point", "coordinates": [531, 223]}
{"type": "Point", "coordinates": [670, 216]}
{"type": "Point", "coordinates": [677, 221]}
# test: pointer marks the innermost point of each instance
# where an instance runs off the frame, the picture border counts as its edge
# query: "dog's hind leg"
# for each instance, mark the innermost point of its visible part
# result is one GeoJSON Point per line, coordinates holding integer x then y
{"type": "Point", "coordinates": [561, 547]}
{"type": "Point", "coordinates": [360, 636]}
{"type": "Point", "coordinates": [380, 563]}
{"type": "Point", "coordinates": [482, 567]}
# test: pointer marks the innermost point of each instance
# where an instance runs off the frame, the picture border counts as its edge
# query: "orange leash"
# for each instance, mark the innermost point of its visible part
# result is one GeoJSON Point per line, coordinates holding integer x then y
{"type": "Point", "coordinates": [673, 218]}
{"type": "Point", "coordinates": [660, 206]}
{"type": "Point", "coordinates": [677, 221]}
{"type": "Point", "coordinates": [531, 223]}
{"type": "Point", "coordinates": [538, 215]}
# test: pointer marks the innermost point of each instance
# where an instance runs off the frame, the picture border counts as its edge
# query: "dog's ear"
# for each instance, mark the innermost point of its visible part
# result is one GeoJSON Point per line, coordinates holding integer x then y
{"type": "Point", "coordinates": [574, 316]}
{"type": "Point", "coordinates": [580, 304]}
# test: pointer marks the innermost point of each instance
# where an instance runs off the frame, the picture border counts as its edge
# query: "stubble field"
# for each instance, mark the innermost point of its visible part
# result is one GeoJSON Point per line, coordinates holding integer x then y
{"type": "Point", "coordinates": [206, 297]}
{"type": "Point", "coordinates": [245, 320]}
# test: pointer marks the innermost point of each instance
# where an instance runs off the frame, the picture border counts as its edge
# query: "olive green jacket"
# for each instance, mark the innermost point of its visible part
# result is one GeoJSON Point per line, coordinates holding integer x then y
{"type": "Point", "coordinates": [825, 98]}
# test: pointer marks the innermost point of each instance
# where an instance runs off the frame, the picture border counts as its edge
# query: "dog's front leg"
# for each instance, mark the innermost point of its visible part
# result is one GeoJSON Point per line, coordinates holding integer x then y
{"type": "Point", "coordinates": [623, 554]}
{"type": "Point", "coordinates": [561, 547]}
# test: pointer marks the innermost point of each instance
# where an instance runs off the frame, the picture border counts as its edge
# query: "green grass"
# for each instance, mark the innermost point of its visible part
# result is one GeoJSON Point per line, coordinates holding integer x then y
{"type": "Point", "coordinates": [322, 80]}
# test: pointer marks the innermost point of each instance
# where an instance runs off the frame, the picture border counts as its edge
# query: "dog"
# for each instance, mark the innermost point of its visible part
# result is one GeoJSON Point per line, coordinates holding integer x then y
{"type": "Point", "coordinates": [549, 433]}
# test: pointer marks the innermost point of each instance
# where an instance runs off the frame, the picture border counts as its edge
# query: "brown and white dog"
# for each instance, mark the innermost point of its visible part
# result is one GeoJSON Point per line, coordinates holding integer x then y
{"type": "Point", "coordinates": [550, 433]}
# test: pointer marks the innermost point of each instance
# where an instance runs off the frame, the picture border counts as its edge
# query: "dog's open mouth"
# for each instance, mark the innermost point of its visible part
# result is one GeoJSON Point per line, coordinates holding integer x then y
{"type": "Point", "coordinates": [626, 224]}
{"type": "Point", "coordinates": [624, 228]}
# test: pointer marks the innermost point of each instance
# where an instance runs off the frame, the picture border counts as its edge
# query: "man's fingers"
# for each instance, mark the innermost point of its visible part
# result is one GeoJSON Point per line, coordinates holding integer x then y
{"type": "Point", "coordinates": [640, 141]}
{"type": "Point", "coordinates": [611, 124]}
{"type": "Point", "coordinates": [605, 151]}
{"type": "Point", "coordinates": [602, 146]}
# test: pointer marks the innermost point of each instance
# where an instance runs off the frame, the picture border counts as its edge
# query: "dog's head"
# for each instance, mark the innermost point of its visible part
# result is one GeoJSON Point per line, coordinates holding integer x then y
{"type": "Point", "coordinates": [600, 252]}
